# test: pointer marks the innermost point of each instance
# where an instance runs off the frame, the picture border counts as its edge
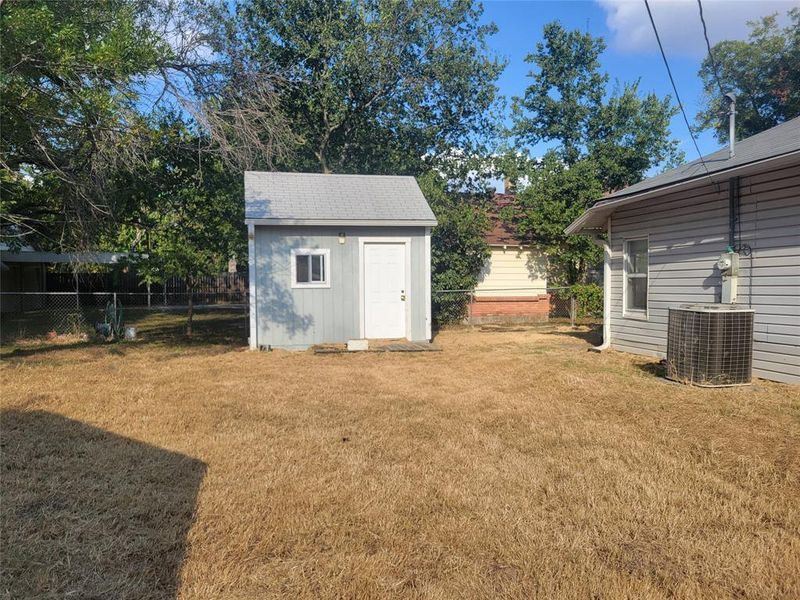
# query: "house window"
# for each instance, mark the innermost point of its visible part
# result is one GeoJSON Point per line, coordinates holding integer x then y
{"type": "Point", "coordinates": [636, 266]}
{"type": "Point", "coordinates": [311, 268]}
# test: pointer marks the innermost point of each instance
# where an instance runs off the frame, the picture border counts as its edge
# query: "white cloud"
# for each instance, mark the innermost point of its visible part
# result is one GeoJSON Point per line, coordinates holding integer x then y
{"type": "Point", "coordinates": [678, 22]}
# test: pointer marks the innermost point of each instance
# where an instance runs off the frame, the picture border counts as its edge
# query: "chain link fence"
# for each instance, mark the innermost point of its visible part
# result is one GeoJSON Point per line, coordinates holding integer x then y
{"type": "Point", "coordinates": [32, 315]}
{"type": "Point", "coordinates": [37, 315]}
{"type": "Point", "coordinates": [554, 304]}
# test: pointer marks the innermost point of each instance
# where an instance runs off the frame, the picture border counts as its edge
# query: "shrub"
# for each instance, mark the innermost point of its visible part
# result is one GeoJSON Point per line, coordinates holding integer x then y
{"type": "Point", "coordinates": [588, 298]}
{"type": "Point", "coordinates": [458, 248]}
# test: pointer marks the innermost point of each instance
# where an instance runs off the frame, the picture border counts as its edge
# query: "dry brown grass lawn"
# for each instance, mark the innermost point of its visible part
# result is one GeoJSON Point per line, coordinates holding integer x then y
{"type": "Point", "coordinates": [511, 464]}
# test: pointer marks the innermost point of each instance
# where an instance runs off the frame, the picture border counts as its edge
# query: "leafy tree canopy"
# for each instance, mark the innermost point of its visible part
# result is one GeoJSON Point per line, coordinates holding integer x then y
{"type": "Point", "coordinates": [79, 83]}
{"type": "Point", "coordinates": [556, 195]}
{"type": "Point", "coordinates": [458, 248]}
{"type": "Point", "coordinates": [185, 209]}
{"type": "Point", "coordinates": [566, 91]}
{"type": "Point", "coordinates": [603, 140]}
{"type": "Point", "coordinates": [373, 86]}
{"type": "Point", "coordinates": [568, 103]}
{"type": "Point", "coordinates": [763, 72]}
{"type": "Point", "coordinates": [67, 90]}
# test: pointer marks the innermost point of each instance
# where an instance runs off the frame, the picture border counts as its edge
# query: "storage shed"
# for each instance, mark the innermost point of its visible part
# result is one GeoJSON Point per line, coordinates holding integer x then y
{"type": "Point", "coordinates": [668, 241]}
{"type": "Point", "coordinates": [335, 258]}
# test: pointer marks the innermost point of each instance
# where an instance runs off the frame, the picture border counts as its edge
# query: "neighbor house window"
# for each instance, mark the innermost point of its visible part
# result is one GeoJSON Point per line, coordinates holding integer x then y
{"type": "Point", "coordinates": [310, 268]}
{"type": "Point", "coordinates": [636, 276]}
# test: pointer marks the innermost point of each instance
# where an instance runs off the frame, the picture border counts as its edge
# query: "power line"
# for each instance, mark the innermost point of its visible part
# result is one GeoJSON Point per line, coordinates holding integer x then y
{"type": "Point", "coordinates": [715, 69]}
{"type": "Point", "coordinates": [675, 87]}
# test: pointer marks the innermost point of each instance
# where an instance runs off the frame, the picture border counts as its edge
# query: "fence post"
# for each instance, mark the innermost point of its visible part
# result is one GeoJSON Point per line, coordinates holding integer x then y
{"type": "Point", "coordinates": [471, 305]}
{"type": "Point", "coordinates": [572, 311]}
{"type": "Point", "coordinates": [115, 307]}
{"type": "Point", "coordinates": [148, 294]}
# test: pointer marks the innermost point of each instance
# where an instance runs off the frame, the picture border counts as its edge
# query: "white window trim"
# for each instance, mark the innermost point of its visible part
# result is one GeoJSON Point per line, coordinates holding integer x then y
{"type": "Point", "coordinates": [428, 314]}
{"type": "Point", "coordinates": [634, 313]}
{"type": "Point", "coordinates": [313, 252]}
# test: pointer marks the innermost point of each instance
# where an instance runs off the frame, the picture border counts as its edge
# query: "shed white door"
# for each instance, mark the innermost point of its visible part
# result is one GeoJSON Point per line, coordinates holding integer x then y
{"type": "Point", "coordinates": [385, 290]}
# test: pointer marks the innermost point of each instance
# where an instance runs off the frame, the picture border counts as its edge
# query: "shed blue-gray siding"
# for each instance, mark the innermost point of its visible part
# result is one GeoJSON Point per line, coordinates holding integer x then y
{"type": "Point", "coordinates": [289, 317]}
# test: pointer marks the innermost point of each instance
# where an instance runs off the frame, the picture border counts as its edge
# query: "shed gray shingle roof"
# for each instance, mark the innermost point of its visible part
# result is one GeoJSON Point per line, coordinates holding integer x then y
{"type": "Point", "coordinates": [781, 140]}
{"type": "Point", "coordinates": [313, 198]}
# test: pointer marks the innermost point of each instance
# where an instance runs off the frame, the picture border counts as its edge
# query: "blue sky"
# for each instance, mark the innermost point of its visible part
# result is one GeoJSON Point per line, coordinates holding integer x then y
{"type": "Point", "coordinates": [632, 51]}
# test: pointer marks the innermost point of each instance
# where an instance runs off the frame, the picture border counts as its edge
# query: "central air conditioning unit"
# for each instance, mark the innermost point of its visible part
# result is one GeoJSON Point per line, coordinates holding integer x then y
{"type": "Point", "coordinates": [710, 344]}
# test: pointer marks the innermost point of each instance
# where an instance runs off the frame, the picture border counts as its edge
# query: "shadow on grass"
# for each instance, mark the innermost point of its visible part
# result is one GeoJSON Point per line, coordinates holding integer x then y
{"type": "Point", "coordinates": [593, 337]}
{"type": "Point", "coordinates": [657, 369]}
{"type": "Point", "coordinates": [212, 328]}
{"type": "Point", "coordinates": [90, 514]}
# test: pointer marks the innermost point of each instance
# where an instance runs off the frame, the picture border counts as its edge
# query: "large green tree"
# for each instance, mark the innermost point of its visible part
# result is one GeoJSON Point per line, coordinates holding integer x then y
{"type": "Point", "coordinates": [185, 215]}
{"type": "Point", "coordinates": [67, 98]}
{"type": "Point", "coordinates": [601, 140]}
{"type": "Point", "coordinates": [566, 91]}
{"type": "Point", "coordinates": [458, 248]}
{"type": "Point", "coordinates": [568, 103]}
{"type": "Point", "coordinates": [555, 196]}
{"type": "Point", "coordinates": [79, 81]}
{"type": "Point", "coordinates": [372, 86]}
{"type": "Point", "coordinates": [763, 72]}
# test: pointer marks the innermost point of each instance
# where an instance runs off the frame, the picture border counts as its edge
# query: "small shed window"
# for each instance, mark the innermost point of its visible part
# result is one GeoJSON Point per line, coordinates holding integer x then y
{"type": "Point", "coordinates": [636, 267]}
{"type": "Point", "coordinates": [310, 268]}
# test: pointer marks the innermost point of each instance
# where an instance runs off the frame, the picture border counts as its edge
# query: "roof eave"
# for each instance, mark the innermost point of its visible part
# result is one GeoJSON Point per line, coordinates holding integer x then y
{"type": "Point", "coordinates": [89, 258]}
{"type": "Point", "coordinates": [594, 218]}
{"type": "Point", "coordinates": [343, 222]}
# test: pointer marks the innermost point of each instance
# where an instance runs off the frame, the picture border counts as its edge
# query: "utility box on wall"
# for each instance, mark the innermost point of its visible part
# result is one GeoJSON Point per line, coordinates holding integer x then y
{"type": "Point", "coordinates": [728, 264]}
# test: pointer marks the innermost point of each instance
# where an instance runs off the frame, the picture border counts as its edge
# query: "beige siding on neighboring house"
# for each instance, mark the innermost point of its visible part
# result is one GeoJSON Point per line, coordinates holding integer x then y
{"type": "Point", "coordinates": [513, 272]}
{"type": "Point", "coordinates": [687, 232]}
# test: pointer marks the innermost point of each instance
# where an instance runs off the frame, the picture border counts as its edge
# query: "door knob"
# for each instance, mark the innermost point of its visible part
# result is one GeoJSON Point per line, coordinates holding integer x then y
{"type": "Point", "coordinates": [402, 296]}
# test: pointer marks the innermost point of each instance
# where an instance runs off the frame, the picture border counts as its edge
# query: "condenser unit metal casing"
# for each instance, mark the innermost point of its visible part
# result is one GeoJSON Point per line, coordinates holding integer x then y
{"type": "Point", "coordinates": [710, 344]}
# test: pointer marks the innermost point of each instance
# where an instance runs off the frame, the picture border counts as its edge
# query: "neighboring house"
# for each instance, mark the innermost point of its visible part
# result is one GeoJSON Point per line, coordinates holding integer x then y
{"type": "Point", "coordinates": [335, 258]}
{"type": "Point", "coordinates": [665, 234]}
{"type": "Point", "coordinates": [512, 285]}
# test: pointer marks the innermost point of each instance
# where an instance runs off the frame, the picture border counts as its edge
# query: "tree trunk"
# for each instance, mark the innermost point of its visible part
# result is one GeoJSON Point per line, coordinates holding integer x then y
{"type": "Point", "coordinates": [190, 312]}
{"type": "Point", "coordinates": [323, 162]}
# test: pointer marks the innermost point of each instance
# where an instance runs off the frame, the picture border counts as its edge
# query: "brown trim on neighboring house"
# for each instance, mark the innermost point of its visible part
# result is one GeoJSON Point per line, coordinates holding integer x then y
{"type": "Point", "coordinates": [500, 233]}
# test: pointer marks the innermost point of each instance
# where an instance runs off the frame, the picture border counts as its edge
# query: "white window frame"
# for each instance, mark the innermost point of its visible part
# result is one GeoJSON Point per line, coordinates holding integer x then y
{"type": "Point", "coordinates": [326, 253]}
{"type": "Point", "coordinates": [635, 313]}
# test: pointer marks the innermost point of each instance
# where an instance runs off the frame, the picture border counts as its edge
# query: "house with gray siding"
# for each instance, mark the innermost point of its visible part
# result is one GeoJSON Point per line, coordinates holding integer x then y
{"type": "Point", "coordinates": [662, 239]}
{"type": "Point", "coordinates": [336, 258]}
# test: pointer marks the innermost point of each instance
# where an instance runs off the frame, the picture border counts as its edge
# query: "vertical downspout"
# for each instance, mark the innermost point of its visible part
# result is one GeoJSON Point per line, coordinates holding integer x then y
{"type": "Point", "coordinates": [733, 212]}
{"type": "Point", "coordinates": [733, 182]}
{"type": "Point", "coordinates": [606, 289]}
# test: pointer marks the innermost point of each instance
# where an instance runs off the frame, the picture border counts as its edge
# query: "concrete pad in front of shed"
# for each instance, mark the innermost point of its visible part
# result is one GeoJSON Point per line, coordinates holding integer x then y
{"type": "Point", "coordinates": [357, 345]}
